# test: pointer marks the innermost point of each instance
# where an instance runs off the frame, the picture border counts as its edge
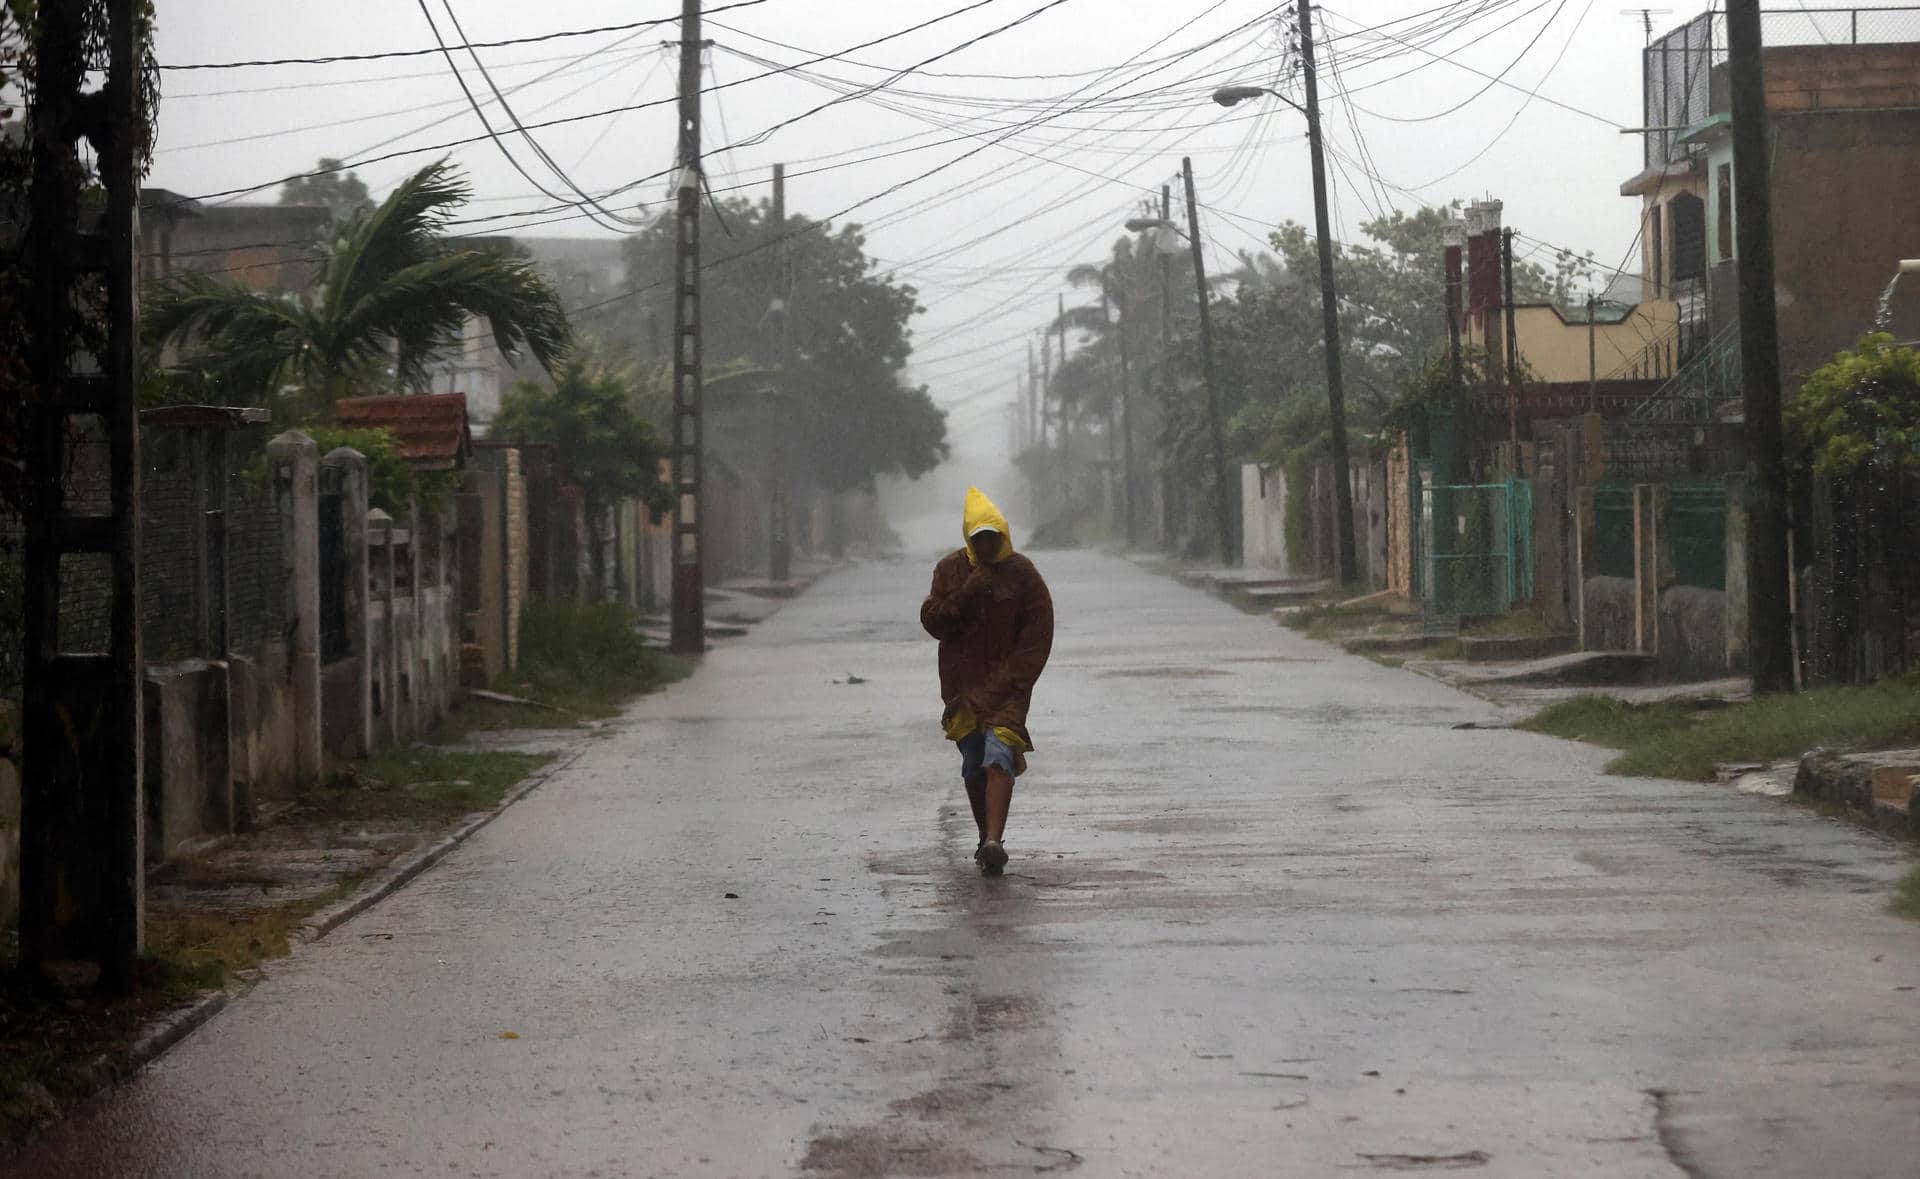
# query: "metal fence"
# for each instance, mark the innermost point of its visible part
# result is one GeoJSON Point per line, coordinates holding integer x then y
{"type": "Point", "coordinates": [1697, 529]}
{"type": "Point", "coordinates": [1679, 66]}
{"type": "Point", "coordinates": [1476, 549]}
{"type": "Point", "coordinates": [1612, 554]}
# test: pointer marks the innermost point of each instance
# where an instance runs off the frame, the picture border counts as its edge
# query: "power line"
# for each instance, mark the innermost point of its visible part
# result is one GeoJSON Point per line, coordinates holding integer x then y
{"type": "Point", "coordinates": [1442, 57]}
{"type": "Point", "coordinates": [570, 119]}
{"type": "Point", "coordinates": [1524, 104]}
{"type": "Point", "coordinates": [768, 132]}
{"type": "Point", "coordinates": [545, 157]}
{"type": "Point", "coordinates": [468, 45]}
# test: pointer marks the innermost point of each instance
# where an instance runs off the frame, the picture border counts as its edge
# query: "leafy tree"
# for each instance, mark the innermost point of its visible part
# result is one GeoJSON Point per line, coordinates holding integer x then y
{"type": "Point", "coordinates": [391, 293]}
{"type": "Point", "coordinates": [811, 301]}
{"type": "Point", "coordinates": [1860, 413]}
{"type": "Point", "coordinates": [343, 193]}
{"type": "Point", "coordinates": [602, 444]}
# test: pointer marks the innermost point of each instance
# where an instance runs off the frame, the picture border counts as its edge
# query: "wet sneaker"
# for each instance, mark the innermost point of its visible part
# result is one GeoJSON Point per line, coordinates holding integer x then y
{"type": "Point", "coordinates": [991, 857]}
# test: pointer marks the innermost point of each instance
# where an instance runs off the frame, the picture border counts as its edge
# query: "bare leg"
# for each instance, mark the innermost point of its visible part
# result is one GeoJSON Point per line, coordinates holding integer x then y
{"type": "Point", "coordinates": [999, 792]}
{"type": "Point", "coordinates": [977, 798]}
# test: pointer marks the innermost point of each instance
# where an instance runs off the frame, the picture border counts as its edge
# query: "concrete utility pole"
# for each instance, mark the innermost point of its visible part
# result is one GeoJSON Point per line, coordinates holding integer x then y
{"type": "Point", "coordinates": [779, 531]}
{"type": "Point", "coordinates": [1513, 356]}
{"type": "Point", "coordinates": [1329, 308]}
{"type": "Point", "coordinates": [1222, 510]}
{"type": "Point", "coordinates": [689, 630]}
{"type": "Point", "coordinates": [82, 869]}
{"type": "Point", "coordinates": [1769, 572]}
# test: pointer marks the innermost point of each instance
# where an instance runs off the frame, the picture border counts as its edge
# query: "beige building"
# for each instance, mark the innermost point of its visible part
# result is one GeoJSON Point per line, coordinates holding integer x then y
{"type": "Point", "coordinates": [1558, 346]}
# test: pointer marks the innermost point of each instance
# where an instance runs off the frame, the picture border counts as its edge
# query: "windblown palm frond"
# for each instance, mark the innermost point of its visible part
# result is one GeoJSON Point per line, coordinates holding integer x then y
{"type": "Point", "coordinates": [391, 292]}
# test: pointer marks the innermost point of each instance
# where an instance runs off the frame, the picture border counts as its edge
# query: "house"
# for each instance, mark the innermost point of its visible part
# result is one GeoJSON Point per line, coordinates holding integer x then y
{"type": "Point", "coordinates": [1844, 123]}
{"type": "Point", "coordinates": [272, 248]}
{"type": "Point", "coordinates": [1607, 356]}
{"type": "Point", "coordinates": [161, 213]}
{"type": "Point", "coordinates": [430, 430]}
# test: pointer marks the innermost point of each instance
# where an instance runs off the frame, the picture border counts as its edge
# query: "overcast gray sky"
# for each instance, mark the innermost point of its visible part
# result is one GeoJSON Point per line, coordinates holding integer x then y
{"type": "Point", "coordinates": [988, 238]}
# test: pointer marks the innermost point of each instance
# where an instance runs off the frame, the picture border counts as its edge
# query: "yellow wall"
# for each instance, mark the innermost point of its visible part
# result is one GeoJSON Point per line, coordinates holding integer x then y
{"type": "Point", "coordinates": [1554, 350]}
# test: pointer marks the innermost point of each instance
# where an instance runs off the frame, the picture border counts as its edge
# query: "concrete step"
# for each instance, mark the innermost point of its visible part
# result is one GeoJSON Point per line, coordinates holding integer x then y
{"type": "Point", "coordinates": [1579, 668]}
{"type": "Point", "coordinates": [1387, 644]}
{"type": "Point", "coordinates": [1514, 648]}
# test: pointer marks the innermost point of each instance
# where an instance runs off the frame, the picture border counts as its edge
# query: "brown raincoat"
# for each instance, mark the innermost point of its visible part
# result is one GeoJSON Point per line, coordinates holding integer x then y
{"type": "Point", "coordinates": [993, 643]}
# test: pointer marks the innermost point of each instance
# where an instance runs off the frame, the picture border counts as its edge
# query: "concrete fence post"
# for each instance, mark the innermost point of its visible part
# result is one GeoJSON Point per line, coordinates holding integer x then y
{"type": "Point", "coordinates": [294, 456]}
{"type": "Point", "coordinates": [351, 719]}
{"type": "Point", "coordinates": [1586, 539]}
{"type": "Point", "coordinates": [1646, 568]}
{"type": "Point", "coordinates": [382, 645]}
{"type": "Point", "coordinates": [418, 713]}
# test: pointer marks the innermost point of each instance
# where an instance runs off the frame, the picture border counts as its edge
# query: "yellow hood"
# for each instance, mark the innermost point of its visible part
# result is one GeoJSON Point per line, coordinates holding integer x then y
{"type": "Point", "coordinates": [982, 514]}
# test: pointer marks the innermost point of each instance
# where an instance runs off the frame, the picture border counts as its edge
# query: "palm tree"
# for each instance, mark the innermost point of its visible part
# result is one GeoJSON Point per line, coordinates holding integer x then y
{"type": "Point", "coordinates": [391, 292]}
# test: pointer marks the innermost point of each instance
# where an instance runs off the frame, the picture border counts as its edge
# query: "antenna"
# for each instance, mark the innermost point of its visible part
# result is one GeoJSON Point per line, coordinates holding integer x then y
{"type": "Point", "coordinates": [1646, 16]}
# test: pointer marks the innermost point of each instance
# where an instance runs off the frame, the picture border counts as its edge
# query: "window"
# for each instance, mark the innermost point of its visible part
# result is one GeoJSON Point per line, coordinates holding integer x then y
{"type": "Point", "coordinates": [1723, 210]}
{"type": "Point", "coordinates": [1687, 217]}
{"type": "Point", "coordinates": [1656, 271]}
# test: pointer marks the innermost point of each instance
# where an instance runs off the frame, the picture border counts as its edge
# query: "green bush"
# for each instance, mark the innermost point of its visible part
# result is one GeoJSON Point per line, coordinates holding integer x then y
{"type": "Point", "coordinates": [587, 657]}
{"type": "Point", "coordinates": [391, 480]}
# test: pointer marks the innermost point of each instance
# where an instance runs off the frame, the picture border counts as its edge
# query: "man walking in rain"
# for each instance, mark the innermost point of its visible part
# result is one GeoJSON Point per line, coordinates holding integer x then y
{"type": "Point", "coordinates": [993, 616]}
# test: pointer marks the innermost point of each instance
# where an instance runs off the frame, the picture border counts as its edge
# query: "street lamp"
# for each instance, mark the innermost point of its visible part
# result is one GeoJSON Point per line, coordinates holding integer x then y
{"type": "Point", "coordinates": [1329, 298]}
{"type": "Point", "coordinates": [1234, 95]}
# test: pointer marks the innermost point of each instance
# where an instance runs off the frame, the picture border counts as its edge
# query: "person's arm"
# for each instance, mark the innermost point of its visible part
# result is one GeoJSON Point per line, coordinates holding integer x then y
{"type": "Point", "coordinates": [1033, 643]}
{"type": "Point", "coordinates": [950, 599]}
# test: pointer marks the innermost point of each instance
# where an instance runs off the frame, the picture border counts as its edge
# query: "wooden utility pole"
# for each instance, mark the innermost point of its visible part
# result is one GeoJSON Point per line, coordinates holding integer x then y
{"type": "Point", "coordinates": [1033, 398]}
{"type": "Point", "coordinates": [779, 531]}
{"type": "Point", "coordinates": [1166, 357]}
{"type": "Point", "coordinates": [1222, 509]}
{"type": "Point", "coordinates": [689, 629]}
{"type": "Point", "coordinates": [1128, 494]}
{"type": "Point", "coordinates": [1329, 309]}
{"type": "Point", "coordinates": [1066, 418]}
{"type": "Point", "coordinates": [82, 869]}
{"type": "Point", "coordinates": [1593, 356]}
{"type": "Point", "coordinates": [1046, 382]}
{"type": "Point", "coordinates": [1769, 572]}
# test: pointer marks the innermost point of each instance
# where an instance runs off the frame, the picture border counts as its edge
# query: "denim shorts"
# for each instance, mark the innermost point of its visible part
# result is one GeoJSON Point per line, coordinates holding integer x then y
{"type": "Point", "coordinates": [981, 749]}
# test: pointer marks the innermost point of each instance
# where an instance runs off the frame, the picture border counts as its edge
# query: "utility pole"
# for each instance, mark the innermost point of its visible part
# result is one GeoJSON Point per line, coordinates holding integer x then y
{"type": "Point", "coordinates": [1513, 357]}
{"type": "Point", "coordinates": [1033, 398]}
{"type": "Point", "coordinates": [82, 869]}
{"type": "Point", "coordinates": [1130, 484]}
{"type": "Point", "coordinates": [1222, 512]}
{"type": "Point", "coordinates": [1066, 419]}
{"type": "Point", "coordinates": [1769, 572]}
{"type": "Point", "coordinates": [1329, 308]}
{"type": "Point", "coordinates": [1166, 360]}
{"type": "Point", "coordinates": [1593, 356]}
{"type": "Point", "coordinates": [1046, 382]}
{"type": "Point", "coordinates": [779, 531]}
{"type": "Point", "coordinates": [689, 630]}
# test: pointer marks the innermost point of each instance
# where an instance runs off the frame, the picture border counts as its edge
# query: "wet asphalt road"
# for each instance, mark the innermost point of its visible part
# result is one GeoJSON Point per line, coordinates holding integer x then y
{"type": "Point", "coordinates": [1269, 914]}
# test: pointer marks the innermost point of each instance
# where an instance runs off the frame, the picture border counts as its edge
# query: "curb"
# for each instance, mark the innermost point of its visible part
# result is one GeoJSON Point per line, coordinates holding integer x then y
{"type": "Point", "coordinates": [402, 872]}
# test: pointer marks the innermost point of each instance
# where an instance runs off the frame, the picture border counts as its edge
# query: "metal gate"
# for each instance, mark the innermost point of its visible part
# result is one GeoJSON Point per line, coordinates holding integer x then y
{"type": "Point", "coordinates": [1476, 550]}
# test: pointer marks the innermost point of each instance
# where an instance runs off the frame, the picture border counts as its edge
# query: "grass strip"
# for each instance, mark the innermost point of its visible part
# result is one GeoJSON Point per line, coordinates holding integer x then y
{"type": "Point", "coordinates": [1687, 739]}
